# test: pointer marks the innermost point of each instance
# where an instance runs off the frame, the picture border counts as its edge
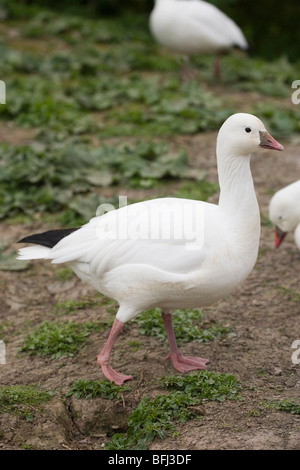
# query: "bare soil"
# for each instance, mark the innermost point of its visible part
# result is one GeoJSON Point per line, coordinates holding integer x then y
{"type": "Point", "coordinates": [263, 312]}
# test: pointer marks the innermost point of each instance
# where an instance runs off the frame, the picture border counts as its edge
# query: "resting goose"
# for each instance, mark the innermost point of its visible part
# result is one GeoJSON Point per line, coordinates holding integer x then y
{"type": "Point", "coordinates": [170, 253]}
{"type": "Point", "coordinates": [284, 213]}
{"type": "Point", "coordinates": [194, 27]}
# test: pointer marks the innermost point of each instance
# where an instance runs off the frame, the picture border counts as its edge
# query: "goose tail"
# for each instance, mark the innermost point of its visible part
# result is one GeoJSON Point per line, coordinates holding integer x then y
{"type": "Point", "coordinates": [43, 242]}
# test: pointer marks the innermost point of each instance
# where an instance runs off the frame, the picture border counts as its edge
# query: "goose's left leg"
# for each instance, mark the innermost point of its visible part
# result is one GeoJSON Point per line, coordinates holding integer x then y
{"type": "Point", "coordinates": [180, 362]}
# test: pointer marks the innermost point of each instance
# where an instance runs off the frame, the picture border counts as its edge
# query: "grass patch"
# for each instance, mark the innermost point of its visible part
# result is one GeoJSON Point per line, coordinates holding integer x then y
{"type": "Point", "coordinates": [151, 324]}
{"type": "Point", "coordinates": [59, 339]}
{"type": "Point", "coordinates": [205, 385]}
{"type": "Point", "coordinates": [290, 406]}
{"type": "Point", "coordinates": [153, 418]}
{"type": "Point", "coordinates": [89, 389]}
{"type": "Point", "coordinates": [68, 307]}
{"type": "Point", "coordinates": [23, 400]}
{"type": "Point", "coordinates": [59, 178]}
{"type": "Point", "coordinates": [159, 416]}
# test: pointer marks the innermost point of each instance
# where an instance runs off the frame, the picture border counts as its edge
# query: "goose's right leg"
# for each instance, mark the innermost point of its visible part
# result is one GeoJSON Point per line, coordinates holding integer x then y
{"type": "Point", "coordinates": [103, 358]}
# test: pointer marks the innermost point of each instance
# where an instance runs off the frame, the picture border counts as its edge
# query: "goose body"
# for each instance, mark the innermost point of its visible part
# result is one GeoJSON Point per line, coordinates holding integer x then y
{"type": "Point", "coordinates": [170, 253]}
{"type": "Point", "coordinates": [284, 213]}
{"type": "Point", "coordinates": [193, 27]}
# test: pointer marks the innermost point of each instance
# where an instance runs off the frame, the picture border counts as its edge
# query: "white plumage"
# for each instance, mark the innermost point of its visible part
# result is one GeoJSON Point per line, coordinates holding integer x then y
{"type": "Point", "coordinates": [194, 27]}
{"type": "Point", "coordinates": [284, 213]}
{"type": "Point", "coordinates": [171, 253]}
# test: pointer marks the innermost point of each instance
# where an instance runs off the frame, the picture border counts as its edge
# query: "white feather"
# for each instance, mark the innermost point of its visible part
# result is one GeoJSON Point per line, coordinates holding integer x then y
{"type": "Point", "coordinates": [33, 252]}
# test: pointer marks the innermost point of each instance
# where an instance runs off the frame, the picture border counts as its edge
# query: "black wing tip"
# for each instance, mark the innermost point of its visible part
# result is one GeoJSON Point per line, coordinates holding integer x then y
{"type": "Point", "coordinates": [49, 238]}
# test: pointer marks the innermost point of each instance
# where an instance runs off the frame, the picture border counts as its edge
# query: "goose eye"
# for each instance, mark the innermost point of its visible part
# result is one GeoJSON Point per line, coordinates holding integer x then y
{"type": "Point", "coordinates": [248, 129]}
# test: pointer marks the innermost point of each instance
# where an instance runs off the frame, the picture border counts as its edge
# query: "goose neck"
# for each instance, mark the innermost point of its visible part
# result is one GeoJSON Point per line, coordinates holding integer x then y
{"type": "Point", "coordinates": [237, 193]}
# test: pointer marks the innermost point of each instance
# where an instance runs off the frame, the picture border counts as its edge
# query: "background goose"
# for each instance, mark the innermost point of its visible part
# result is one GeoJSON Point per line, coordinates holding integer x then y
{"type": "Point", "coordinates": [284, 213]}
{"type": "Point", "coordinates": [170, 253]}
{"type": "Point", "coordinates": [194, 27]}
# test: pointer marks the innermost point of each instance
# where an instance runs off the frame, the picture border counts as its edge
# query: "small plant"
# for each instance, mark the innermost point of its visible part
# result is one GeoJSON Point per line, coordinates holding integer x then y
{"type": "Point", "coordinates": [100, 388]}
{"type": "Point", "coordinates": [287, 405]}
{"type": "Point", "coordinates": [23, 400]}
{"type": "Point", "coordinates": [205, 385]}
{"type": "Point", "coordinates": [60, 339]}
{"type": "Point", "coordinates": [56, 340]}
{"type": "Point", "coordinates": [154, 418]}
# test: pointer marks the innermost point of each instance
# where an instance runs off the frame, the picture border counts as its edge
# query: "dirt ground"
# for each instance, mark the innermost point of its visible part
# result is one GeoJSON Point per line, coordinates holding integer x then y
{"type": "Point", "coordinates": [263, 312]}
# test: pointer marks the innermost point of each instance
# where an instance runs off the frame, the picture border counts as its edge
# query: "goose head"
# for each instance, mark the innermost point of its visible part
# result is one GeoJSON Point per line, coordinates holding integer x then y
{"type": "Point", "coordinates": [284, 213]}
{"type": "Point", "coordinates": [242, 134]}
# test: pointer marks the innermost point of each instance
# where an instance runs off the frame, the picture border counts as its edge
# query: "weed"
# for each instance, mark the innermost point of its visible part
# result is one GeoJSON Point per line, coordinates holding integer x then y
{"type": "Point", "coordinates": [154, 418]}
{"type": "Point", "coordinates": [287, 405]}
{"type": "Point", "coordinates": [101, 388]}
{"type": "Point", "coordinates": [56, 340]}
{"type": "Point", "coordinates": [23, 400]}
{"type": "Point", "coordinates": [205, 385]}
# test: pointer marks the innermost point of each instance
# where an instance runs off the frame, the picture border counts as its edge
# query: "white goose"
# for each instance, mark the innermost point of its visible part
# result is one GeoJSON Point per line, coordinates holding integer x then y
{"type": "Point", "coordinates": [193, 27]}
{"type": "Point", "coordinates": [170, 253]}
{"type": "Point", "coordinates": [284, 213]}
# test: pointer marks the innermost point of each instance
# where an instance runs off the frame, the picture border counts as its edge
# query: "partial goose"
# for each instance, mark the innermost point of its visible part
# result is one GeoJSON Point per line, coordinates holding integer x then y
{"type": "Point", "coordinates": [194, 27]}
{"type": "Point", "coordinates": [284, 213]}
{"type": "Point", "coordinates": [170, 253]}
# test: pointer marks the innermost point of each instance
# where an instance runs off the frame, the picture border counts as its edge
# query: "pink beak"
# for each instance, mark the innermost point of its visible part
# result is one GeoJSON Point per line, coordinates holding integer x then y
{"type": "Point", "coordinates": [268, 142]}
{"type": "Point", "coordinates": [279, 237]}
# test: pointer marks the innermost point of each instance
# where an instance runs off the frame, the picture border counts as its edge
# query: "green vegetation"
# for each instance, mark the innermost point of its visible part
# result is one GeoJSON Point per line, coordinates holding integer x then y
{"type": "Point", "coordinates": [153, 418]}
{"type": "Point", "coordinates": [70, 306]}
{"type": "Point", "coordinates": [64, 274]}
{"type": "Point", "coordinates": [158, 417]}
{"type": "Point", "coordinates": [287, 405]}
{"type": "Point", "coordinates": [277, 17]}
{"type": "Point", "coordinates": [96, 388]}
{"type": "Point", "coordinates": [59, 339]}
{"type": "Point", "coordinates": [23, 400]}
{"type": "Point", "coordinates": [204, 384]}
{"type": "Point", "coordinates": [99, 79]}
{"type": "Point", "coordinates": [151, 324]}
{"type": "Point", "coordinates": [39, 179]}
{"type": "Point", "coordinates": [201, 190]}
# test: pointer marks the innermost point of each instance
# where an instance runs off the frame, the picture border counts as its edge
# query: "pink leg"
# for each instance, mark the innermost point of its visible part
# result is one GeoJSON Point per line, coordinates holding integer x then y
{"type": "Point", "coordinates": [180, 362]}
{"type": "Point", "coordinates": [104, 356]}
{"type": "Point", "coordinates": [218, 67]}
{"type": "Point", "coordinates": [187, 72]}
